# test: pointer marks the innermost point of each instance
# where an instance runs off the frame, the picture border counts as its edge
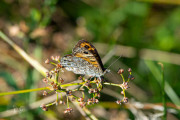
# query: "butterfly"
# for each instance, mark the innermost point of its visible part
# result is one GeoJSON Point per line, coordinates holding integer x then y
{"type": "Point", "coordinates": [84, 60]}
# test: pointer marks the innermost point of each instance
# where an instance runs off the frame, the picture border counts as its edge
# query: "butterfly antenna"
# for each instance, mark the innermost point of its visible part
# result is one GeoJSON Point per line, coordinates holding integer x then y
{"type": "Point", "coordinates": [114, 62]}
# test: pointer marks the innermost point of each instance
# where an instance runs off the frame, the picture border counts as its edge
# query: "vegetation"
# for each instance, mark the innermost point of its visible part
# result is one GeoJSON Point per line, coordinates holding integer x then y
{"type": "Point", "coordinates": [144, 33]}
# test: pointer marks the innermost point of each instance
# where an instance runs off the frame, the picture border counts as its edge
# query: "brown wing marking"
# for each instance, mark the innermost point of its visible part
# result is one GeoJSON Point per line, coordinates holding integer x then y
{"type": "Point", "coordinates": [85, 44]}
{"type": "Point", "coordinates": [89, 59]}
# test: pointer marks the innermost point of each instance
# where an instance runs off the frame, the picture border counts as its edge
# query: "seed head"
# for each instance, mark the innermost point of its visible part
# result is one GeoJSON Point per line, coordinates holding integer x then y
{"type": "Point", "coordinates": [129, 70]}
{"type": "Point", "coordinates": [45, 93]}
{"type": "Point", "coordinates": [47, 61]}
{"type": "Point", "coordinates": [91, 91]}
{"type": "Point", "coordinates": [61, 80]}
{"type": "Point", "coordinates": [52, 58]}
{"type": "Point", "coordinates": [62, 102]}
{"type": "Point", "coordinates": [82, 104]}
{"type": "Point", "coordinates": [81, 99]}
{"type": "Point", "coordinates": [118, 102]}
{"type": "Point", "coordinates": [120, 71]}
{"type": "Point", "coordinates": [44, 108]}
{"type": "Point", "coordinates": [125, 100]}
{"type": "Point", "coordinates": [57, 58]}
{"type": "Point", "coordinates": [45, 80]}
{"type": "Point", "coordinates": [59, 65]}
{"type": "Point", "coordinates": [68, 110]}
{"type": "Point", "coordinates": [69, 93]}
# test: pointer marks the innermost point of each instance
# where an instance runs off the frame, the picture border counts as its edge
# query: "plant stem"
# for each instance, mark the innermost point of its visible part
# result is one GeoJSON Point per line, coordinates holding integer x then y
{"type": "Point", "coordinates": [23, 91]}
{"type": "Point", "coordinates": [113, 84]}
{"type": "Point", "coordinates": [163, 92]}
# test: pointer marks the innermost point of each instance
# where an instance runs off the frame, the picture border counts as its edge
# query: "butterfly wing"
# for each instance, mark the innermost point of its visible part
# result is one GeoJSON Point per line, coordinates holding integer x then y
{"type": "Point", "coordinates": [88, 52]}
{"type": "Point", "coordinates": [83, 60]}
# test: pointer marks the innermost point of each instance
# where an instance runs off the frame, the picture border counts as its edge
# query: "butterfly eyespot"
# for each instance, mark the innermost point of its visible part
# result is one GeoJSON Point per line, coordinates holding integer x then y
{"type": "Point", "coordinates": [85, 52]}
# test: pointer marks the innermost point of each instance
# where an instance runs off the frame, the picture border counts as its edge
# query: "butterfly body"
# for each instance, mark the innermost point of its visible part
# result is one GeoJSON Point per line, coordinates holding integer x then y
{"type": "Point", "coordinates": [84, 60]}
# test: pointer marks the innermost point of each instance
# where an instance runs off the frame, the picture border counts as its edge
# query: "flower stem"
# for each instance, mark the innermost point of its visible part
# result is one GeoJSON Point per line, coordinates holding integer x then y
{"type": "Point", "coordinates": [23, 91]}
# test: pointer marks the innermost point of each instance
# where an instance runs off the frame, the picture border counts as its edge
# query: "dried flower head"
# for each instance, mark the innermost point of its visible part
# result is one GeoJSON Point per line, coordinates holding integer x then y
{"type": "Point", "coordinates": [129, 70]}
{"type": "Point", "coordinates": [47, 61]}
{"type": "Point", "coordinates": [118, 102]}
{"type": "Point", "coordinates": [81, 99]}
{"type": "Point", "coordinates": [91, 91]}
{"type": "Point", "coordinates": [52, 83]}
{"type": "Point", "coordinates": [59, 65]}
{"type": "Point", "coordinates": [52, 58]}
{"type": "Point", "coordinates": [61, 80]}
{"type": "Point", "coordinates": [120, 71]}
{"type": "Point", "coordinates": [82, 104]}
{"type": "Point", "coordinates": [44, 108]}
{"type": "Point", "coordinates": [56, 58]}
{"type": "Point", "coordinates": [62, 102]}
{"type": "Point", "coordinates": [125, 100]}
{"type": "Point", "coordinates": [55, 86]}
{"type": "Point", "coordinates": [45, 80]}
{"type": "Point", "coordinates": [68, 110]}
{"type": "Point", "coordinates": [48, 74]}
{"type": "Point", "coordinates": [89, 101]}
{"type": "Point", "coordinates": [69, 93]}
{"type": "Point", "coordinates": [45, 93]}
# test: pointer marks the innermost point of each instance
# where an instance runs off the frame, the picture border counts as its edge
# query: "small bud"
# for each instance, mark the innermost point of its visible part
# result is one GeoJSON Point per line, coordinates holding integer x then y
{"type": "Point", "coordinates": [56, 70]}
{"type": "Point", "coordinates": [44, 93]}
{"type": "Point", "coordinates": [45, 80]}
{"type": "Point", "coordinates": [69, 93]}
{"type": "Point", "coordinates": [82, 104]}
{"type": "Point", "coordinates": [68, 110]}
{"type": "Point", "coordinates": [44, 108]}
{"type": "Point", "coordinates": [126, 86]}
{"type": "Point", "coordinates": [96, 101]}
{"type": "Point", "coordinates": [59, 65]}
{"type": "Point", "coordinates": [129, 70]}
{"type": "Point", "coordinates": [57, 58]}
{"type": "Point", "coordinates": [118, 102]}
{"type": "Point", "coordinates": [61, 80]}
{"type": "Point", "coordinates": [47, 61]}
{"type": "Point", "coordinates": [125, 100]}
{"type": "Point", "coordinates": [89, 101]}
{"type": "Point", "coordinates": [52, 58]}
{"type": "Point", "coordinates": [81, 99]}
{"type": "Point", "coordinates": [52, 83]}
{"type": "Point", "coordinates": [47, 74]}
{"type": "Point", "coordinates": [95, 90]}
{"type": "Point", "coordinates": [55, 87]}
{"type": "Point", "coordinates": [61, 102]}
{"type": "Point", "coordinates": [91, 91]}
{"type": "Point", "coordinates": [98, 95]}
{"type": "Point", "coordinates": [132, 78]}
{"type": "Point", "coordinates": [120, 71]}
{"type": "Point", "coordinates": [88, 84]}
{"type": "Point", "coordinates": [122, 93]}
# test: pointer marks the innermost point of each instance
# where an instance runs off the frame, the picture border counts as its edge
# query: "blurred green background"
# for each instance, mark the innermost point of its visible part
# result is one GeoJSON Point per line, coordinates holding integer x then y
{"type": "Point", "coordinates": [142, 32]}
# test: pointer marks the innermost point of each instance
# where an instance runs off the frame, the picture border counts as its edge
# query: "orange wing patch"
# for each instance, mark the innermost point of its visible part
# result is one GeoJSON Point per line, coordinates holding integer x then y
{"type": "Point", "coordinates": [89, 59]}
{"type": "Point", "coordinates": [87, 46]}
